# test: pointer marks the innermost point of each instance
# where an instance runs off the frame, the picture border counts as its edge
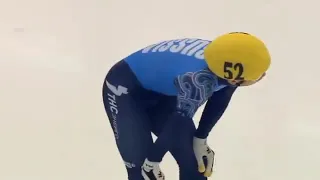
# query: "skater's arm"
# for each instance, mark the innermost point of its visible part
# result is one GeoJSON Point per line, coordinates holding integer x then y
{"type": "Point", "coordinates": [213, 111]}
{"type": "Point", "coordinates": [192, 93]}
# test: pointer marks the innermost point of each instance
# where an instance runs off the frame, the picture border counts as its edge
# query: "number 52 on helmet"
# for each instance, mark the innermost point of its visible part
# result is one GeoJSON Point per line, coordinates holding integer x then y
{"type": "Point", "coordinates": [237, 56]}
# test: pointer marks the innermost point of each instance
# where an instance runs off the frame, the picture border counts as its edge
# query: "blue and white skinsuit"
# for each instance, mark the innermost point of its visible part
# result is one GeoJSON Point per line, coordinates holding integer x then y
{"type": "Point", "coordinates": [158, 90]}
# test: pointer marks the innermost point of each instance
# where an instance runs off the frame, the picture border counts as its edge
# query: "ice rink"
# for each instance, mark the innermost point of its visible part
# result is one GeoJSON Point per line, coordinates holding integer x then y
{"type": "Point", "coordinates": [54, 55]}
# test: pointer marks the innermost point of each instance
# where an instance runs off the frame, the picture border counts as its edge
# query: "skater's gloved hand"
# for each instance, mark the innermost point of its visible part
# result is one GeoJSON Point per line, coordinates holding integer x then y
{"type": "Point", "coordinates": [151, 171]}
{"type": "Point", "coordinates": [203, 151]}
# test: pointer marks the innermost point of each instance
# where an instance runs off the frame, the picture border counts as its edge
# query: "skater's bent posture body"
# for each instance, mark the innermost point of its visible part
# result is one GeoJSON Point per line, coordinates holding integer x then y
{"type": "Point", "coordinates": [159, 88]}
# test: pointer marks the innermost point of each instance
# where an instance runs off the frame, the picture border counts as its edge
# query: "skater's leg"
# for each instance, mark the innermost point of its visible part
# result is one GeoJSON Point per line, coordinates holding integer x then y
{"type": "Point", "coordinates": [185, 157]}
{"type": "Point", "coordinates": [129, 122]}
{"type": "Point", "coordinates": [183, 151]}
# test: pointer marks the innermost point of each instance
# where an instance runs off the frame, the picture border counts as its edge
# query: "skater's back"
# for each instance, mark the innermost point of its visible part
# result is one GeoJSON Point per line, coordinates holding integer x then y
{"type": "Point", "coordinates": [158, 65]}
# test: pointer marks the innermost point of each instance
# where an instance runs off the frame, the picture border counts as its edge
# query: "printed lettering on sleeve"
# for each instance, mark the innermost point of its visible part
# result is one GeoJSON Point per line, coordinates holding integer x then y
{"type": "Point", "coordinates": [194, 89]}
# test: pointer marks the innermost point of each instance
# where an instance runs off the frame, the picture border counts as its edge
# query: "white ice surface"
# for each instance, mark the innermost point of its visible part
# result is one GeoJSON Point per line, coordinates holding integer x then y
{"type": "Point", "coordinates": [54, 55]}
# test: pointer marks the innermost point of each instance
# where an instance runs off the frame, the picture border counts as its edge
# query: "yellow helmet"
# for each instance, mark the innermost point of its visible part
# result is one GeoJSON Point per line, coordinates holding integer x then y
{"type": "Point", "coordinates": [237, 56]}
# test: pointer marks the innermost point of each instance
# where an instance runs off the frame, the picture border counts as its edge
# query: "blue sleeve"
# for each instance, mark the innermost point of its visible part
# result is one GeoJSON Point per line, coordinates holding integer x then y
{"type": "Point", "coordinates": [213, 110]}
{"type": "Point", "coordinates": [194, 89]}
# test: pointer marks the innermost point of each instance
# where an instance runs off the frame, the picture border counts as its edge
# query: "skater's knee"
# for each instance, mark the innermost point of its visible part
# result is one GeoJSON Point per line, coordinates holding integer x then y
{"type": "Point", "coordinates": [191, 174]}
{"type": "Point", "coordinates": [189, 171]}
